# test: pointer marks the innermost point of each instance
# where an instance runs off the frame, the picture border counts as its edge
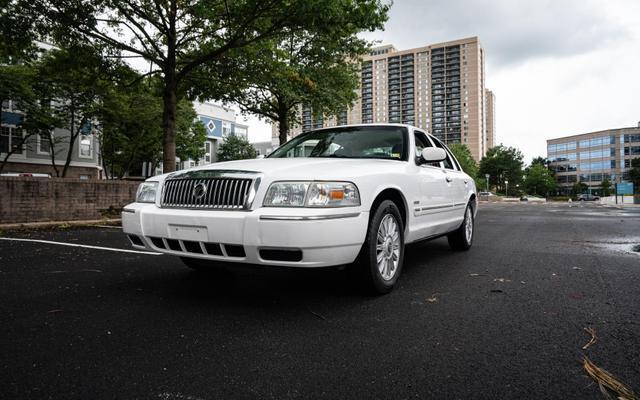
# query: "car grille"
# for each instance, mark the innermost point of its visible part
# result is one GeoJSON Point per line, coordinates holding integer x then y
{"type": "Point", "coordinates": [206, 193]}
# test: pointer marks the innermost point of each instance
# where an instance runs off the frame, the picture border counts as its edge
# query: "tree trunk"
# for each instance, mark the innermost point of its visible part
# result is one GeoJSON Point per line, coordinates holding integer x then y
{"type": "Point", "coordinates": [169, 98]}
{"type": "Point", "coordinates": [72, 140]}
{"type": "Point", "coordinates": [283, 126]}
{"type": "Point", "coordinates": [12, 149]}
{"type": "Point", "coordinates": [52, 153]}
{"type": "Point", "coordinates": [170, 93]}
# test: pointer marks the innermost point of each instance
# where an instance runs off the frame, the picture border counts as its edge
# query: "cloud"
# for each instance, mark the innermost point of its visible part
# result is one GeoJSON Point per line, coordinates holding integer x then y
{"type": "Point", "coordinates": [511, 31]}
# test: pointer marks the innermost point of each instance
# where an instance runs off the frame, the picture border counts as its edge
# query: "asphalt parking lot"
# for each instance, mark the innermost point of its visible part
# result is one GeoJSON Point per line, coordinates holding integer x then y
{"type": "Point", "coordinates": [504, 320]}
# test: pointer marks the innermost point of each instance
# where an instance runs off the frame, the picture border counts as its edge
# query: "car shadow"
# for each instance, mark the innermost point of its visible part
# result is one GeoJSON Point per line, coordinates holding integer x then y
{"type": "Point", "coordinates": [252, 286]}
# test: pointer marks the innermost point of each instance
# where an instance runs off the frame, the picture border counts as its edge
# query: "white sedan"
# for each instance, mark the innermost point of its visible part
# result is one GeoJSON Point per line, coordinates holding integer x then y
{"type": "Point", "coordinates": [350, 195]}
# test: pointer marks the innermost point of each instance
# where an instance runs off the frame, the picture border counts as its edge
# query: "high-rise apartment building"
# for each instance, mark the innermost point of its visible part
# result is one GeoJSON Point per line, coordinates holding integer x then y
{"type": "Point", "coordinates": [439, 88]}
{"type": "Point", "coordinates": [590, 157]}
{"type": "Point", "coordinates": [490, 100]}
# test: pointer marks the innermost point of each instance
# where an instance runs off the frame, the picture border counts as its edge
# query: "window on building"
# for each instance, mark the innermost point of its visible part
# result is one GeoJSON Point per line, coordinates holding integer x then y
{"type": "Point", "coordinates": [226, 128]}
{"type": "Point", "coordinates": [44, 143]}
{"type": "Point", "coordinates": [11, 138]}
{"type": "Point", "coordinates": [207, 152]}
{"type": "Point", "coordinates": [85, 149]}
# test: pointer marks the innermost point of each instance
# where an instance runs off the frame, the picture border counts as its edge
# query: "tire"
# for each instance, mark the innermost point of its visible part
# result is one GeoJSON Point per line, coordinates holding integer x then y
{"type": "Point", "coordinates": [462, 238]}
{"type": "Point", "coordinates": [204, 266]}
{"type": "Point", "coordinates": [384, 241]}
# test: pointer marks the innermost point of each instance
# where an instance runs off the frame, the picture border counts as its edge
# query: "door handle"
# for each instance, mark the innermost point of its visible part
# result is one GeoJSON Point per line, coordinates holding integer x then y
{"type": "Point", "coordinates": [448, 179]}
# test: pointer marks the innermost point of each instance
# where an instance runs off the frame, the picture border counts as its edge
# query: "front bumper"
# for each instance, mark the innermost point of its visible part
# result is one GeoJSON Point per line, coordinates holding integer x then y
{"type": "Point", "coordinates": [267, 236]}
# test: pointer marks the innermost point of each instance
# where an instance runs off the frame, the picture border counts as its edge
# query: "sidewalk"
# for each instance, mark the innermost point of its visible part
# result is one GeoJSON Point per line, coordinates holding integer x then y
{"type": "Point", "coordinates": [60, 224]}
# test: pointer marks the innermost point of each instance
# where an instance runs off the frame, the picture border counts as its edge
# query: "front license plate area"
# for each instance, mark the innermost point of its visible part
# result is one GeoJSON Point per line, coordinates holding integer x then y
{"type": "Point", "coordinates": [188, 232]}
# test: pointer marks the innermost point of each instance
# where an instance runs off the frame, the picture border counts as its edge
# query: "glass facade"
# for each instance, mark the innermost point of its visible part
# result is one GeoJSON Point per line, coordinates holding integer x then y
{"type": "Point", "coordinates": [590, 158]}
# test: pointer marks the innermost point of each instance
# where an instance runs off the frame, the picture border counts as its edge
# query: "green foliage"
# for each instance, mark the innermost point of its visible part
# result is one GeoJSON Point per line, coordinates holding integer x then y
{"type": "Point", "coordinates": [502, 164]}
{"type": "Point", "coordinates": [540, 161]}
{"type": "Point", "coordinates": [466, 160]}
{"type": "Point", "coordinates": [606, 186]}
{"type": "Point", "coordinates": [579, 188]}
{"type": "Point", "coordinates": [73, 81]}
{"type": "Point", "coordinates": [191, 44]}
{"type": "Point", "coordinates": [130, 121]}
{"type": "Point", "coordinates": [316, 67]}
{"type": "Point", "coordinates": [236, 148]}
{"type": "Point", "coordinates": [538, 179]}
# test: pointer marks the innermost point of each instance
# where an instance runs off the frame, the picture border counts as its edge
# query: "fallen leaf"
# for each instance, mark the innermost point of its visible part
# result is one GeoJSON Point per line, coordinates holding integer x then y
{"type": "Point", "coordinates": [591, 332]}
{"type": "Point", "coordinates": [607, 382]}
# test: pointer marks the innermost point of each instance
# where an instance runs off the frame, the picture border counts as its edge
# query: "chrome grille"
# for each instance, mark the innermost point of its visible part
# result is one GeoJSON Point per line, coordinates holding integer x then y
{"type": "Point", "coordinates": [206, 193]}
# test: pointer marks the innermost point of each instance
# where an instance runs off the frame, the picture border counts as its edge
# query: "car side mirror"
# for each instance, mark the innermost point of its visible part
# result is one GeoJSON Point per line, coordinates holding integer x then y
{"type": "Point", "coordinates": [432, 154]}
{"type": "Point", "coordinates": [260, 156]}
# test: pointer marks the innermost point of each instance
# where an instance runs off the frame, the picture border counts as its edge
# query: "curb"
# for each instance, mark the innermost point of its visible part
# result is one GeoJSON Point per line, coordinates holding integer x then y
{"type": "Point", "coordinates": [55, 224]}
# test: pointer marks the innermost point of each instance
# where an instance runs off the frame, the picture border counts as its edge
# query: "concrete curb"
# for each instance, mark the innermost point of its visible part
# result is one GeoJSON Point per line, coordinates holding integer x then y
{"type": "Point", "coordinates": [54, 224]}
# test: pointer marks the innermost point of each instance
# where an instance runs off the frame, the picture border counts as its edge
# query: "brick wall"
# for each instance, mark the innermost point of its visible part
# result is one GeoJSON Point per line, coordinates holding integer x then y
{"type": "Point", "coordinates": [56, 199]}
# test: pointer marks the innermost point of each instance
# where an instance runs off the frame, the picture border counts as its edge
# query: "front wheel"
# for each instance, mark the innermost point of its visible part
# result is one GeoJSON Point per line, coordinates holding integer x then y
{"type": "Point", "coordinates": [382, 254]}
{"type": "Point", "coordinates": [462, 238]}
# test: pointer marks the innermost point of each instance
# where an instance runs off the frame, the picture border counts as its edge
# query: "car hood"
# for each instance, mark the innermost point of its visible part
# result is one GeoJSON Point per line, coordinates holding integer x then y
{"type": "Point", "coordinates": [307, 168]}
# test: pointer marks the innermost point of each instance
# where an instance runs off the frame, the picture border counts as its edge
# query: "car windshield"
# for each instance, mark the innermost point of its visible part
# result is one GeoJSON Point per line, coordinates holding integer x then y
{"type": "Point", "coordinates": [385, 142]}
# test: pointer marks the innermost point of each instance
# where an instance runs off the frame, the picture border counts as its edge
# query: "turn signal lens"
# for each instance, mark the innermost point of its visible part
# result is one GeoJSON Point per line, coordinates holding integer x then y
{"type": "Point", "coordinates": [312, 194]}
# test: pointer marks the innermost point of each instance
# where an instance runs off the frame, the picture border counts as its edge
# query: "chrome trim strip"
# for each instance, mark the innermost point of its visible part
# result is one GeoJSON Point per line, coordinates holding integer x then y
{"type": "Point", "coordinates": [459, 204]}
{"type": "Point", "coordinates": [436, 207]}
{"type": "Point", "coordinates": [307, 217]}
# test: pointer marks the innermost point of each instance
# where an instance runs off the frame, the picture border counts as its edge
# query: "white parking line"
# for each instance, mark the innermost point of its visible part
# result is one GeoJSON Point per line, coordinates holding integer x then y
{"type": "Point", "coordinates": [152, 253]}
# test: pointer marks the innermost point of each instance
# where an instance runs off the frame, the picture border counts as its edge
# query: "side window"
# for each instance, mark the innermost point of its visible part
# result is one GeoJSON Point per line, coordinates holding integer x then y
{"type": "Point", "coordinates": [448, 162]}
{"type": "Point", "coordinates": [421, 142]}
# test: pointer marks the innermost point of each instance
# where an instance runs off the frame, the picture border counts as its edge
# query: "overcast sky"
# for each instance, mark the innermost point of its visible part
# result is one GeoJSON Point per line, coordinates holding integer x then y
{"type": "Point", "coordinates": [556, 67]}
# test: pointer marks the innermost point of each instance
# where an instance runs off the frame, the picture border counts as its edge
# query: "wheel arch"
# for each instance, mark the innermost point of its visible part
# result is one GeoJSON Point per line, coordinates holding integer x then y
{"type": "Point", "coordinates": [395, 195]}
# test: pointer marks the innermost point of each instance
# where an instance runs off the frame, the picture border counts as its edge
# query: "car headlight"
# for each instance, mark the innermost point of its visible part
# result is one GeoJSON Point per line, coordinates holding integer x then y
{"type": "Point", "coordinates": [312, 194]}
{"type": "Point", "coordinates": [147, 192]}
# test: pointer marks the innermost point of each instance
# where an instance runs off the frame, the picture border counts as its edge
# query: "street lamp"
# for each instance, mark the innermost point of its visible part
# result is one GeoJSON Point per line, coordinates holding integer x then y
{"type": "Point", "coordinates": [506, 189]}
{"type": "Point", "coordinates": [486, 176]}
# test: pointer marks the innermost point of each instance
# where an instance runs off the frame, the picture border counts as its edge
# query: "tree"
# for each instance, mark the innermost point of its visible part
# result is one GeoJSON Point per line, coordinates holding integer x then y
{"type": "Point", "coordinates": [634, 174]}
{"type": "Point", "coordinates": [130, 128]}
{"type": "Point", "coordinates": [466, 160]}
{"type": "Point", "coordinates": [502, 164]}
{"type": "Point", "coordinates": [17, 75]}
{"type": "Point", "coordinates": [183, 38]}
{"type": "Point", "coordinates": [606, 186]}
{"type": "Point", "coordinates": [75, 79]}
{"type": "Point", "coordinates": [317, 69]}
{"type": "Point", "coordinates": [579, 188]}
{"type": "Point", "coordinates": [538, 179]}
{"type": "Point", "coordinates": [236, 148]}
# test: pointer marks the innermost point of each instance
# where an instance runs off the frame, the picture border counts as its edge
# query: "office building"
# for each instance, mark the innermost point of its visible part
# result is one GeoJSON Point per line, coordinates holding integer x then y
{"type": "Point", "coordinates": [439, 88]}
{"type": "Point", "coordinates": [589, 157]}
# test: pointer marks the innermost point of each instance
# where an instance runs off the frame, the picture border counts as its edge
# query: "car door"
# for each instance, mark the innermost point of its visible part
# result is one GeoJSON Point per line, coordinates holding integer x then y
{"type": "Point", "coordinates": [459, 182]}
{"type": "Point", "coordinates": [432, 210]}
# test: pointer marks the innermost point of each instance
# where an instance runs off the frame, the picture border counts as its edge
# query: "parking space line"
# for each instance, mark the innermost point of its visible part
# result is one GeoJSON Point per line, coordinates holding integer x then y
{"type": "Point", "coordinates": [151, 253]}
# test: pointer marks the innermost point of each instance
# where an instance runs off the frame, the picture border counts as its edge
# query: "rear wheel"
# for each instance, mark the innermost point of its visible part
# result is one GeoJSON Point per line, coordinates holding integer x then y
{"type": "Point", "coordinates": [382, 254]}
{"type": "Point", "coordinates": [462, 238]}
